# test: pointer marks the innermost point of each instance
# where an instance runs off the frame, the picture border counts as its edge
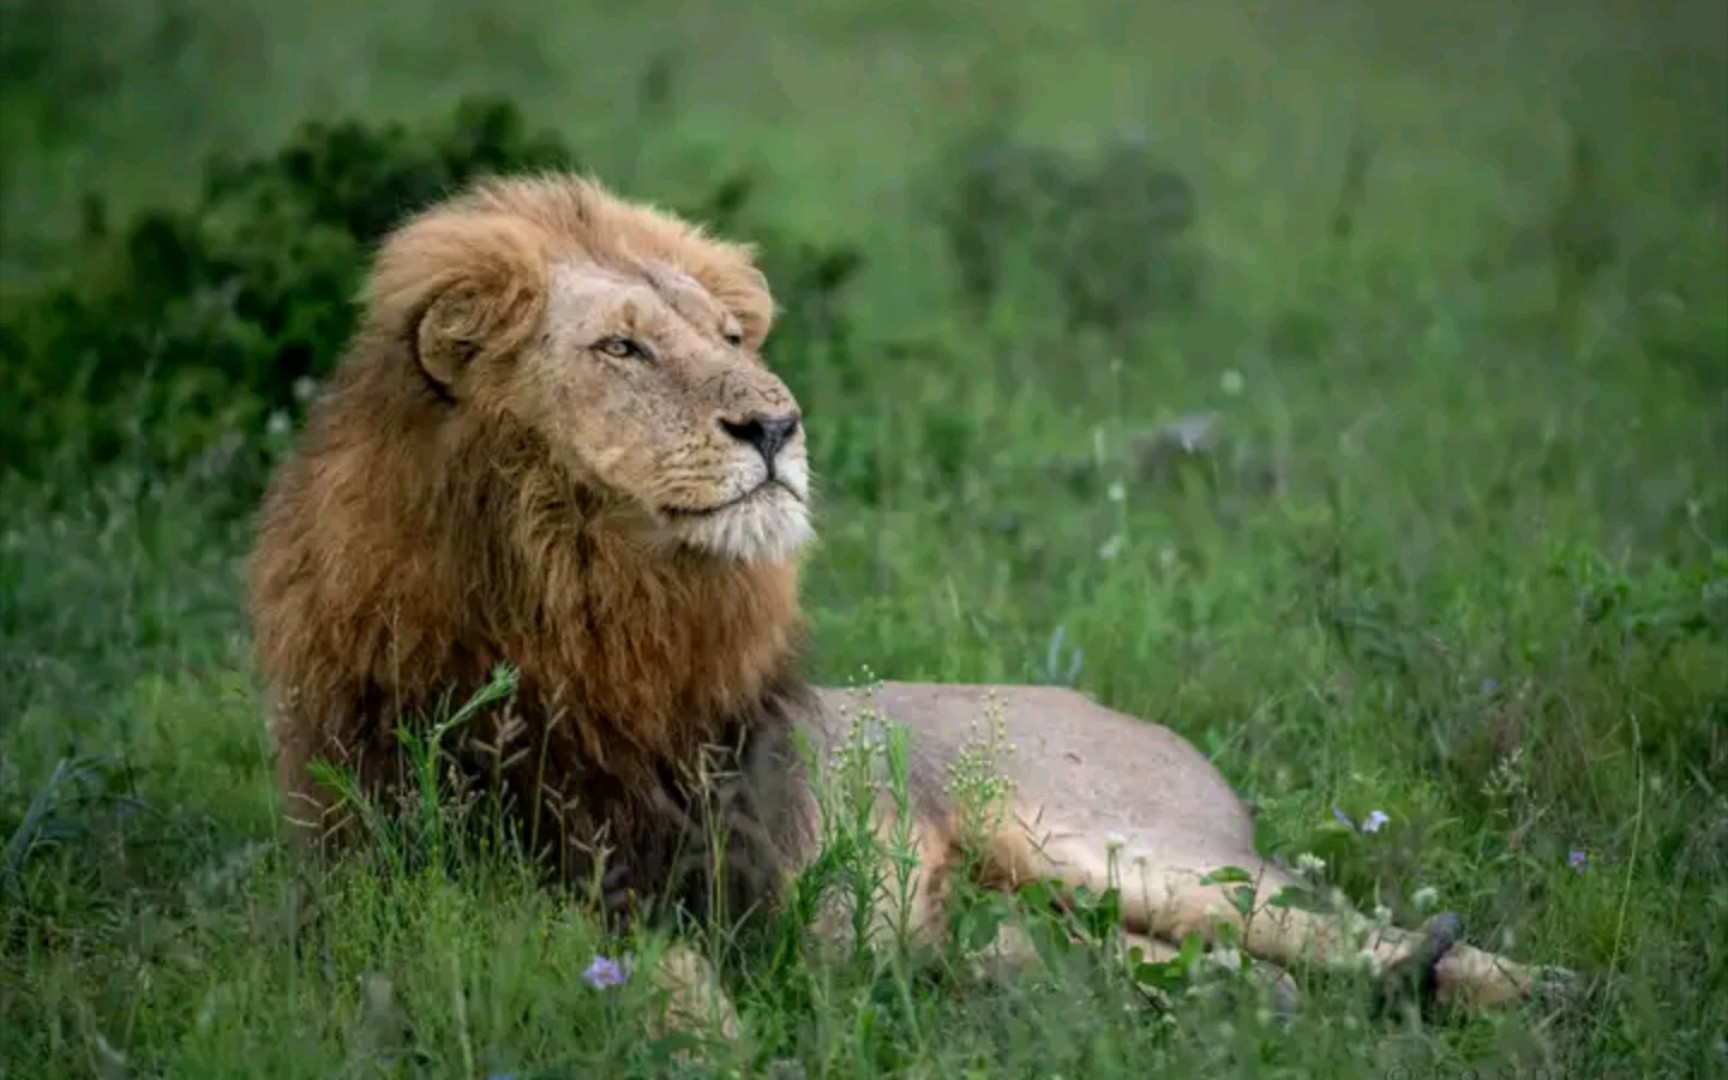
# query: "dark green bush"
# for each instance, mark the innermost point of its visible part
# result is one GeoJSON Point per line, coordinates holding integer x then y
{"type": "Point", "coordinates": [195, 325]}
{"type": "Point", "coordinates": [180, 337]}
{"type": "Point", "coordinates": [1109, 237]}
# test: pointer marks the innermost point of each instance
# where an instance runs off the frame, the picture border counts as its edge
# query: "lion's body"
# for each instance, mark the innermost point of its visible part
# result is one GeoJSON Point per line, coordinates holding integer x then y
{"type": "Point", "coordinates": [553, 445]}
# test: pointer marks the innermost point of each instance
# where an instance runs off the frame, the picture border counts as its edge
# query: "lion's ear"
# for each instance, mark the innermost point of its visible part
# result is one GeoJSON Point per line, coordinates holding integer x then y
{"type": "Point", "coordinates": [754, 306]}
{"type": "Point", "coordinates": [456, 286]}
{"type": "Point", "coordinates": [743, 290]}
{"type": "Point", "coordinates": [450, 334]}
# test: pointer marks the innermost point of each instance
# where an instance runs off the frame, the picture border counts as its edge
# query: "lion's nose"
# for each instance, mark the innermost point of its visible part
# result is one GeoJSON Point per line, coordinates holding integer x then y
{"type": "Point", "coordinates": [766, 433]}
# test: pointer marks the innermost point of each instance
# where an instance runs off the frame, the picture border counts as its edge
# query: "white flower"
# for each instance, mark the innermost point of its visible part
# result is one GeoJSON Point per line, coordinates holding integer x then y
{"type": "Point", "coordinates": [1115, 841]}
{"type": "Point", "coordinates": [1309, 863]}
{"type": "Point", "coordinates": [1117, 492]}
{"type": "Point", "coordinates": [1375, 820]}
{"type": "Point", "coordinates": [1425, 897]}
{"type": "Point", "coordinates": [1231, 382]}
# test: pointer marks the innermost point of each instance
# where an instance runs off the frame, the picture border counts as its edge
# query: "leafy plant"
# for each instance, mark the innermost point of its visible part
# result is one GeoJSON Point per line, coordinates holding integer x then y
{"type": "Point", "coordinates": [193, 325]}
{"type": "Point", "coordinates": [189, 334]}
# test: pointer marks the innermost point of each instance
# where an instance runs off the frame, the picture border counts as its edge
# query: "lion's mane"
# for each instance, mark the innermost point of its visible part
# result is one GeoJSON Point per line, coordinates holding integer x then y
{"type": "Point", "coordinates": [410, 546]}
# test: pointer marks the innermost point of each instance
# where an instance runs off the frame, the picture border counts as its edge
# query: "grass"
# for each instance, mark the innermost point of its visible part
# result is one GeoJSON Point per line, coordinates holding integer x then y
{"type": "Point", "coordinates": [1490, 598]}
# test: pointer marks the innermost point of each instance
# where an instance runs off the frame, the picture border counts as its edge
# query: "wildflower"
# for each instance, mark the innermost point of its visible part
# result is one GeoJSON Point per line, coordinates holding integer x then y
{"type": "Point", "coordinates": [1308, 863]}
{"type": "Point", "coordinates": [1231, 382]}
{"type": "Point", "coordinates": [1373, 823]}
{"type": "Point", "coordinates": [605, 972]}
{"type": "Point", "coordinates": [1425, 897]}
{"type": "Point", "coordinates": [1115, 841]}
{"type": "Point", "coordinates": [1578, 861]}
{"type": "Point", "coordinates": [1117, 492]}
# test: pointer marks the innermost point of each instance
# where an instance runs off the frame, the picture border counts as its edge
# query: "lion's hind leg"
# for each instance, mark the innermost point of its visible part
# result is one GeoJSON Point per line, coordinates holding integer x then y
{"type": "Point", "coordinates": [1169, 895]}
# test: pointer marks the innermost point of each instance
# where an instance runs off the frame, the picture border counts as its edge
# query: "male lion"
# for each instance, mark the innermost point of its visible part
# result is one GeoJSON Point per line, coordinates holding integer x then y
{"type": "Point", "coordinates": [554, 444]}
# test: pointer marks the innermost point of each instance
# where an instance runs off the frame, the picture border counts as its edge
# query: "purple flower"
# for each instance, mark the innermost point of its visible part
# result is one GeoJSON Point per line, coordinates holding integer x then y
{"type": "Point", "coordinates": [605, 973]}
{"type": "Point", "coordinates": [1578, 861]}
{"type": "Point", "coordinates": [1342, 816]}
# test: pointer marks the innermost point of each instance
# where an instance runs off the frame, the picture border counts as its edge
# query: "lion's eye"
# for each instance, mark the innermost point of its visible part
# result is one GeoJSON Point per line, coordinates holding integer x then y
{"type": "Point", "coordinates": [623, 348]}
{"type": "Point", "coordinates": [734, 338]}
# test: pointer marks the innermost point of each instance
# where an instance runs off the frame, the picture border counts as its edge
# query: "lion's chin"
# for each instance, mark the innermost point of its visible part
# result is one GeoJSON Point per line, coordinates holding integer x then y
{"type": "Point", "coordinates": [769, 528]}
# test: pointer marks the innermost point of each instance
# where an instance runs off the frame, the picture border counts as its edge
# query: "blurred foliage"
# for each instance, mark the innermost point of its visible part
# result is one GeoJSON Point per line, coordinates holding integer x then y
{"type": "Point", "coordinates": [188, 334]}
{"type": "Point", "coordinates": [189, 326]}
{"type": "Point", "coordinates": [49, 43]}
{"type": "Point", "coordinates": [1110, 237]}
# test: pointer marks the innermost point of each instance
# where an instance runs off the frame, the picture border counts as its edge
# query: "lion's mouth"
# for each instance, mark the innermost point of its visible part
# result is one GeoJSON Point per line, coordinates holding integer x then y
{"type": "Point", "coordinates": [764, 490]}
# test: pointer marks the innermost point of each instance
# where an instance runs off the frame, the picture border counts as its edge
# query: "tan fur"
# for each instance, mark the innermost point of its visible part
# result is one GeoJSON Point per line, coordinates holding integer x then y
{"type": "Point", "coordinates": [486, 482]}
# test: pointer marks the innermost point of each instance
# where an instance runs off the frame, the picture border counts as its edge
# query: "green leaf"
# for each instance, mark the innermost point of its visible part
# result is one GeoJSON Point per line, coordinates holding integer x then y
{"type": "Point", "coordinates": [1298, 898]}
{"type": "Point", "coordinates": [1227, 875]}
{"type": "Point", "coordinates": [1168, 975]}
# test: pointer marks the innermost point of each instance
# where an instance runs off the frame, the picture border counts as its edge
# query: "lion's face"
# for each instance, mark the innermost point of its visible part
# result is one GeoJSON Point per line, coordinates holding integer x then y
{"type": "Point", "coordinates": [646, 385]}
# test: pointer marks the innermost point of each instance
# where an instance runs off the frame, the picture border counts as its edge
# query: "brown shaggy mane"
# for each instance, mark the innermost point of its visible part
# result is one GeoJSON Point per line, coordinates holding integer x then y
{"type": "Point", "coordinates": [411, 545]}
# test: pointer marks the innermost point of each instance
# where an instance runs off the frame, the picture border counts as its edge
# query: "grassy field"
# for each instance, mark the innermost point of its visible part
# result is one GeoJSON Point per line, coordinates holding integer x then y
{"type": "Point", "coordinates": [1460, 557]}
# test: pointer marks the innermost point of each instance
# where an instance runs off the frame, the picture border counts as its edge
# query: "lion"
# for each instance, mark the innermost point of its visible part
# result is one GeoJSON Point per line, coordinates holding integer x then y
{"type": "Point", "coordinates": [554, 444]}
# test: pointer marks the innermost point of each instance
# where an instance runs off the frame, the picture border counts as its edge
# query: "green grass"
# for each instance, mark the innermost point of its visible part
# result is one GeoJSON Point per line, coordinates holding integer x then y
{"type": "Point", "coordinates": [1490, 600]}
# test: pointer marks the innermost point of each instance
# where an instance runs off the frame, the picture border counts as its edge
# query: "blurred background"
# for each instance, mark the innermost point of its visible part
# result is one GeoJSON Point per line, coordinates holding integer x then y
{"type": "Point", "coordinates": [1110, 166]}
{"type": "Point", "coordinates": [1344, 384]}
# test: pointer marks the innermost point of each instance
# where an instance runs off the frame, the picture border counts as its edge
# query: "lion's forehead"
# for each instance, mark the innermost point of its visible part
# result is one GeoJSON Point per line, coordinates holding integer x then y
{"type": "Point", "coordinates": [584, 291]}
{"type": "Point", "coordinates": [680, 288]}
